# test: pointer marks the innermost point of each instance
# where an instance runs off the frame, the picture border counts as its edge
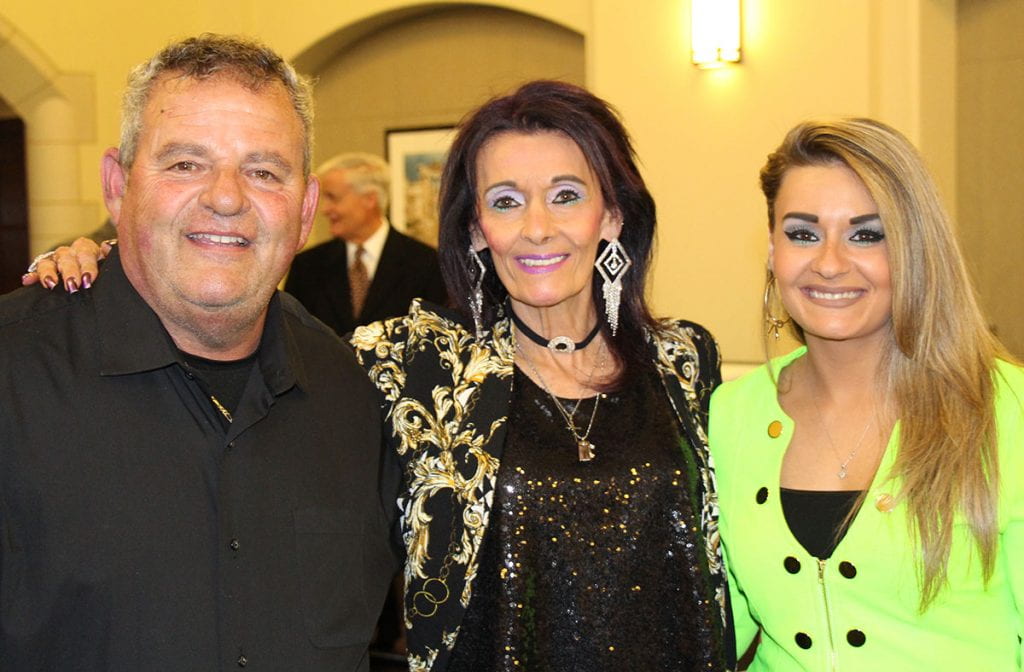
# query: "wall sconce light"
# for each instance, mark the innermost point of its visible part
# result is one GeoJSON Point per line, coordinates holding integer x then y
{"type": "Point", "coordinates": [715, 32]}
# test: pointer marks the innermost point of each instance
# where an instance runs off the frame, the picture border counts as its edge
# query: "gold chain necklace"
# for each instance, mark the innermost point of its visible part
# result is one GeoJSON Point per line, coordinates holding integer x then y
{"type": "Point", "coordinates": [220, 407]}
{"type": "Point", "coordinates": [584, 447]}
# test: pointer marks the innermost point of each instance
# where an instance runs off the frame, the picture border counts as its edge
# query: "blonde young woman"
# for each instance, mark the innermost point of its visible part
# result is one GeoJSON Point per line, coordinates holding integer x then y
{"type": "Point", "coordinates": [871, 480]}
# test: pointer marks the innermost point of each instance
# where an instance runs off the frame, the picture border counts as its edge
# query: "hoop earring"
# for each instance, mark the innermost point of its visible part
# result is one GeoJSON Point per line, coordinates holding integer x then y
{"type": "Point", "coordinates": [773, 324]}
{"type": "Point", "coordinates": [476, 298]}
{"type": "Point", "coordinates": [612, 264]}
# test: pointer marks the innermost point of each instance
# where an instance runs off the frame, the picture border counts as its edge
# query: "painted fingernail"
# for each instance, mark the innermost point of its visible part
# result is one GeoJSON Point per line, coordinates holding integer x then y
{"type": "Point", "coordinates": [71, 285]}
{"type": "Point", "coordinates": [86, 281]}
{"type": "Point", "coordinates": [25, 277]}
{"type": "Point", "coordinates": [49, 282]}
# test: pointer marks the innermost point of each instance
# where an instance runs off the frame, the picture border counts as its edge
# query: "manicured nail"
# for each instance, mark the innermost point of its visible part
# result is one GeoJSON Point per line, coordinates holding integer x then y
{"type": "Point", "coordinates": [25, 277]}
{"type": "Point", "coordinates": [86, 280]}
{"type": "Point", "coordinates": [49, 282]}
{"type": "Point", "coordinates": [71, 285]}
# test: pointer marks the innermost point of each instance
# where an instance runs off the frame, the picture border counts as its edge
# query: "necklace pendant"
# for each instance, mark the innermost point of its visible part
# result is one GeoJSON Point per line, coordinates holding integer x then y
{"type": "Point", "coordinates": [561, 344]}
{"type": "Point", "coordinates": [586, 450]}
{"type": "Point", "coordinates": [842, 472]}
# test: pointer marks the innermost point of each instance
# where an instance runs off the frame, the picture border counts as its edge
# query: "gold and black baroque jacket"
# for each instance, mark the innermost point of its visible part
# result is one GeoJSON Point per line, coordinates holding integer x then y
{"type": "Point", "coordinates": [445, 397]}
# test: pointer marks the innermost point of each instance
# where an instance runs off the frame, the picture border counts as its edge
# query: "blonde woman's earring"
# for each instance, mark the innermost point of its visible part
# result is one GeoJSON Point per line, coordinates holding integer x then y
{"type": "Point", "coordinates": [773, 324]}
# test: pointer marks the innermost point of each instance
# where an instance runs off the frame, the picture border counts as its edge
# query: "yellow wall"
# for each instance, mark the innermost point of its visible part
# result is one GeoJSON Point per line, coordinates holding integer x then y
{"type": "Point", "coordinates": [991, 159]}
{"type": "Point", "coordinates": [701, 135]}
{"type": "Point", "coordinates": [414, 73]}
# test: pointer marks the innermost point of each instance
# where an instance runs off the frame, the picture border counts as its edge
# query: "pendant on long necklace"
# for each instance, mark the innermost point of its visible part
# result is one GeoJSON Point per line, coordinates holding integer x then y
{"type": "Point", "coordinates": [842, 472]}
{"type": "Point", "coordinates": [586, 450]}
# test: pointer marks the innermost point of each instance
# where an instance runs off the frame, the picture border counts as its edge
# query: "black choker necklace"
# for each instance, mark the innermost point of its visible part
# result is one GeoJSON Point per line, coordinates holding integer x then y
{"type": "Point", "coordinates": [558, 343]}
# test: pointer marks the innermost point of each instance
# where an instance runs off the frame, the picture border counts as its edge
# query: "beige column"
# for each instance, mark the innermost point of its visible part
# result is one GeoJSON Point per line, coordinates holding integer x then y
{"type": "Point", "coordinates": [59, 115]}
{"type": "Point", "coordinates": [913, 80]}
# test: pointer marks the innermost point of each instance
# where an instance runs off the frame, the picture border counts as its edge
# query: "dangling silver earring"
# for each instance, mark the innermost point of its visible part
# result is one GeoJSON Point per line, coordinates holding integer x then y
{"type": "Point", "coordinates": [476, 299]}
{"type": "Point", "coordinates": [773, 324]}
{"type": "Point", "coordinates": [612, 264]}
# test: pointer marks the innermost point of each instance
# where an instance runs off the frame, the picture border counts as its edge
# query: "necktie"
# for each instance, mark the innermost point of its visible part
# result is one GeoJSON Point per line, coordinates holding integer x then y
{"type": "Point", "coordinates": [358, 281]}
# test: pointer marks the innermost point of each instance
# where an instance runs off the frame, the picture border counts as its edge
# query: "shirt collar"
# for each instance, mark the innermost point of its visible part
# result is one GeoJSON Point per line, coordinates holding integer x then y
{"type": "Point", "coordinates": [132, 339]}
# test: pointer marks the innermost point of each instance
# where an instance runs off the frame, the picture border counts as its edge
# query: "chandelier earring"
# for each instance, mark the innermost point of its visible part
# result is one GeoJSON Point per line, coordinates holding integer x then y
{"type": "Point", "coordinates": [612, 264]}
{"type": "Point", "coordinates": [476, 297]}
{"type": "Point", "coordinates": [773, 324]}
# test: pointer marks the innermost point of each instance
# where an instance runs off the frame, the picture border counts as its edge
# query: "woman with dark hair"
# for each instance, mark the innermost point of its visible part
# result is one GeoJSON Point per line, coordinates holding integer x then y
{"type": "Point", "coordinates": [558, 508]}
{"type": "Point", "coordinates": [872, 501]}
{"type": "Point", "coordinates": [553, 107]}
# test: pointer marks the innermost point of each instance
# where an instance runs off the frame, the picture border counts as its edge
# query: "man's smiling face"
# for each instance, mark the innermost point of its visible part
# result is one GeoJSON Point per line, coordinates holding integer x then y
{"type": "Point", "coordinates": [215, 204]}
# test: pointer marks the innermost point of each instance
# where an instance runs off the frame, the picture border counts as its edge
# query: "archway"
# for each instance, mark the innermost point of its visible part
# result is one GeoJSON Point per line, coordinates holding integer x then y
{"type": "Point", "coordinates": [13, 198]}
{"type": "Point", "coordinates": [426, 66]}
{"type": "Point", "coordinates": [57, 109]}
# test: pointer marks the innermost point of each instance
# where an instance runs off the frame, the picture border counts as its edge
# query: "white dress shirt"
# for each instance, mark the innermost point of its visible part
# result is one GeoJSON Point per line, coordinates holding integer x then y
{"type": "Point", "coordinates": [373, 247]}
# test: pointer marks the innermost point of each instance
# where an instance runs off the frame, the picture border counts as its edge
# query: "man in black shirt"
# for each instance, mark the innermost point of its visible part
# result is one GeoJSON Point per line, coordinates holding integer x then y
{"type": "Point", "coordinates": [189, 462]}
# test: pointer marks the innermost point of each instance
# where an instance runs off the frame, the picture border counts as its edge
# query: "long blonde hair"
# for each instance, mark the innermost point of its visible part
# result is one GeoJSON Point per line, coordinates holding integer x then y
{"type": "Point", "coordinates": [939, 364]}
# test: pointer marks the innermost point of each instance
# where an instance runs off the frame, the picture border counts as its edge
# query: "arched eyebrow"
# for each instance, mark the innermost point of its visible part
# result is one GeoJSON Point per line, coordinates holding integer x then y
{"type": "Point", "coordinates": [803, 216]}
{"type": "Point", "coordinates": [813, 219]}
{"type": "Point", "coordinates": [568, 178]}
{"type": "Point", "coordinates": [505, 183]}
{"type": "Point", "coordinates": [554, 180]}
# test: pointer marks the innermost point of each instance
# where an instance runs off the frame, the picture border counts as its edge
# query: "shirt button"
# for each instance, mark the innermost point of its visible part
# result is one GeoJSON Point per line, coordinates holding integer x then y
{"type": "Point", "coordinates": [791, 564]}
{"type": "Point", "coordinates": [234, 545]}
{"type": "Point", "coordinates": [242, 661]}
{"type": "Point", "coordinates": [885, 502]}
{"type": "Point", "coordinates": [847, 569]}
{"type": "Point", "coordinates": [803, 640]}
{"type": "Point", "coordinates": [231, 445]}
{"type": "Point", "coordinates": [762, 496]}
{"type": "Point", "coordinates": [856, 638]}
{"type": "Point", "coordinates": [775, 429]}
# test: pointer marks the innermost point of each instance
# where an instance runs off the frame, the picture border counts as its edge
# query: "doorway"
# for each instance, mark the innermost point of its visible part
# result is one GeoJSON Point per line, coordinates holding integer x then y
{"type": "Point", "coordinates": [13, 200]}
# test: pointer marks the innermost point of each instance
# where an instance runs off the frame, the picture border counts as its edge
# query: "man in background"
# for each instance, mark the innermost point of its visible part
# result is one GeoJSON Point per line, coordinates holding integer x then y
{"type": "Point", "coordinates": [189, 461]}
{"type": "Point", "coordinates": [368, 271]}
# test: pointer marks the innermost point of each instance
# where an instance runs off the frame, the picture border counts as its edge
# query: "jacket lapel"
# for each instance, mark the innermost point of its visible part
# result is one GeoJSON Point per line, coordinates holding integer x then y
{"type": "Point", "coordinates": [450, 425]}
{"type": "Point", "coordinates": [336, 291]}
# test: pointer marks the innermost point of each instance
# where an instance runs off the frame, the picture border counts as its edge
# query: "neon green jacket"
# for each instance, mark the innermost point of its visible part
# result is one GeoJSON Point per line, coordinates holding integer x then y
{"type": "Point", "coordinates": [858, 609]}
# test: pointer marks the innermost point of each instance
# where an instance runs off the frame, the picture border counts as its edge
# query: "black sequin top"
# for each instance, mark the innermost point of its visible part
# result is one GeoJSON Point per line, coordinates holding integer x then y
{"type": "Point", "coordinates": [591, 565]}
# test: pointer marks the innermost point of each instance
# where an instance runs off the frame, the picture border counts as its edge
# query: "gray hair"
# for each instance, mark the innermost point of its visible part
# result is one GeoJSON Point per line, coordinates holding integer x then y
{"type": "Point", "coordinates": [249, 62]}
{"type": "Point", "coordinates": [364, 172]}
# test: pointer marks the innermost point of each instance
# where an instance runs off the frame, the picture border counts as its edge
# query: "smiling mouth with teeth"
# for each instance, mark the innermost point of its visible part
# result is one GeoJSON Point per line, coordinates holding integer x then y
{"type": "Point", "coordinates": [834, 296]}
{"type": "Point", "coordinates": [535, 262]}
{"type": "Point", "coordinates": [235, 241]}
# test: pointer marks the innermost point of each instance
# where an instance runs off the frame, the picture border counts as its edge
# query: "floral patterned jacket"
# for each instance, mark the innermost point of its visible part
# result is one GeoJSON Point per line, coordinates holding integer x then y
{"type": "Point", "coordinates": [445, 398]}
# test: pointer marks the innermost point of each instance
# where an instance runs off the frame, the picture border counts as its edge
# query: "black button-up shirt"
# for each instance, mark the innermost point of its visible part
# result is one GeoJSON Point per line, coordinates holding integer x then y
{"type": "Point", "coordinates": [138, 534]}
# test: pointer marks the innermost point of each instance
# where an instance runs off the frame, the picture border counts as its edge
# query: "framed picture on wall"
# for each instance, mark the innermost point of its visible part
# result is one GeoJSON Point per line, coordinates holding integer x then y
{"type": "Point", "coordinates": [417, 156]}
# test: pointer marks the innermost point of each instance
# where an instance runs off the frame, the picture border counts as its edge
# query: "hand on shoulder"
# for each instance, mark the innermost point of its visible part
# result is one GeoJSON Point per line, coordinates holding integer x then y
{"type": "Point", "coordinates": [74, 267]}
